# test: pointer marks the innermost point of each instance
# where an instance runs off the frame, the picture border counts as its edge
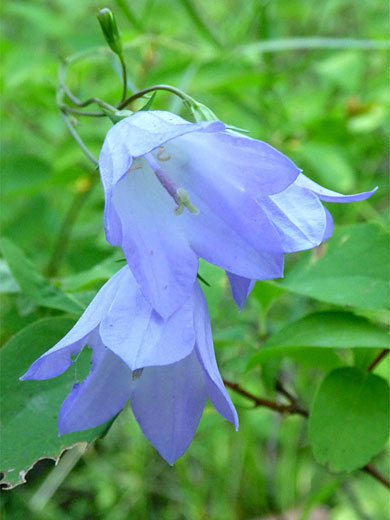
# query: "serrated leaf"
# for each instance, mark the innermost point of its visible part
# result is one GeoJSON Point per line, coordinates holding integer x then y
{"type": "Point", "coordinates": [33, 284]}
{"type": "Point", "coordinates": [352, 270]}
{"type": "Point", "coordinates": [29, 409]}
{"type": "Point", "coordinates": [349, 420]}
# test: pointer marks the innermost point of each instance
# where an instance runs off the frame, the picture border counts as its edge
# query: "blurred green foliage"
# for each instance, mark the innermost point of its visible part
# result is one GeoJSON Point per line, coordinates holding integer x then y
{"type": "Point", "coordinates": [327, 108]}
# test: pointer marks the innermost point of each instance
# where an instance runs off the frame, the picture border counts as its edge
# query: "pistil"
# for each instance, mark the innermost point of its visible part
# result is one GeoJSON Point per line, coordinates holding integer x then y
{"type": "Point", "coordinates": [179, 195]}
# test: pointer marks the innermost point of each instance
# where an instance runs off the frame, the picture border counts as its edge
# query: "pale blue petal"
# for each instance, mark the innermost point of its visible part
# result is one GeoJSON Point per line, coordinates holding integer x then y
{"type": "Point", "coordinates": [154, 244]}
{"type": "Point", "coordinates": [223, 160]}
{"type": "Point", "coordinates": [331, 196]}
{"type": "Point", "coordinates": [205, 350]}
{"type": "Point", "coordinates": [168, 403]}
{"type": "Point", "coordinates": [56, 360]}
{"type": "Point", "coordinates": [241, 288]}
{"type": "Point", "coordinates": [231, 230]}
{"type": "Point", "coordinates": [133, 137]}
{"type": "Point", "coordinates": [100, 396]}
{"type": "Point", "coordinates": [299, 217]}
{"type": "Point", "coordinates": [221, 196]}
{"type": "Point", "coordinates": [329, 226]}
{"type": "Point", "coordinates": [139, 336]}
{"type": "Point", "coordinates": [212, 239]}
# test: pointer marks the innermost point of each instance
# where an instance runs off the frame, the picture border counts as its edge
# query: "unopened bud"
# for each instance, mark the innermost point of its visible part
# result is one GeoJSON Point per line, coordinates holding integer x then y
{"type": "Point", "coordinates": [202, 113]}
{"type": "Point", "coordinates": [110, 30]}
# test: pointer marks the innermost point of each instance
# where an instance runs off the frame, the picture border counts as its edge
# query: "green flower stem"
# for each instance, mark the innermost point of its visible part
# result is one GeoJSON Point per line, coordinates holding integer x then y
{"type": "Point", "coordinates": [78, 139]}
{"type": "Point", "coordinates": [187, 100]}
{"type": "Point", "coordinates": [72, 110]}
{"type": "Point", "coordinates": [124, 77]}
{"type": "Point", "coordinates": [64, 90]}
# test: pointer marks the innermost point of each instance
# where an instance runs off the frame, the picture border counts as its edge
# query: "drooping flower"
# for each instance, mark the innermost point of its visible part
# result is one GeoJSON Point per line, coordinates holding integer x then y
{"type": "Point", "coordinates": [176, 191]}
{"type": "Point", "coordinates": [166, 368]}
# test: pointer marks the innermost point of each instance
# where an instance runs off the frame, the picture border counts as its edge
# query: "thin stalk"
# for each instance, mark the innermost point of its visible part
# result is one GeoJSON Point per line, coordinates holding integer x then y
{"type": "Point", "coordinates": [273, 405]}
{"type": "Point", "coordinates": [78, 139]}
{"type": "Point", "coordinates": [378, 359]}
{"type": "Point", "coordinates": [144, 91]}
{"type": "Point", "coordinates": [124, 78]}
{"type": "Point", "coordinates": [65, 108]}
{"type": "Point", "coordinates": [377, 475]}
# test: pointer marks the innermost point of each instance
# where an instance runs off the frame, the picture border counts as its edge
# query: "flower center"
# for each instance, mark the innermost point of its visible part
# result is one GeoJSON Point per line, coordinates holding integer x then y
{"type": "Point", "coordinates": [179, 195]}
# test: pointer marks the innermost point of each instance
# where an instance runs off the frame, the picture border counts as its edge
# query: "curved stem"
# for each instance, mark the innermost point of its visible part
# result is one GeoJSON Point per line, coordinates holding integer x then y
{"type": "Point", "coordinates": [63, 89]}
{"type": "Point", "coordinates": [144, 91]}
{"type": "Point", "coordinates": [78, 139]}
{"type": "Point", "coordinates": [65, 108]}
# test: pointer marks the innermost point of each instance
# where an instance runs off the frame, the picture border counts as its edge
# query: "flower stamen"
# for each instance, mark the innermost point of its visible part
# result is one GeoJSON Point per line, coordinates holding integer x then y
{"type": "Point", "coordinates": [161, 156]}
{"type": "Point", "coordinates": [179, 195]}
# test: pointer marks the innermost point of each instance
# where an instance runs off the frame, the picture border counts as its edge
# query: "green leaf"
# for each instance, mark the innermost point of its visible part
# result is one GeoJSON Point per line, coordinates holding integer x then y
{"type": "Point", "coordinates": [302, 339]}
{"type": "Point", "coordinates": [33, 284]}
{"type": "Point", "coordinates": [29, 409]}
{"type": "Point", "coordinates": [349, 420]}
{"type": "Point", "coordinates": [352, 271]}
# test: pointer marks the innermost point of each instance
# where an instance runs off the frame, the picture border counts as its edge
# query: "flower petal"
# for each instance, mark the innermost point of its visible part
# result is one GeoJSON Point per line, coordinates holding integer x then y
{"type": "Point", "coordinates": [154, 245]}
{"type": "Point", "coordinates": [56, 360]}
{"type": "Point", "coordinates": [329, 226]}
{"type": "Point", "coordinates": [168, 403]}
{"type": "Point", "coordinates": [103, 393]}
{"type": "Point", "coordinates": [234, 160]}
{"type": "Point", "coordinates": [331, 196]}
{"type": "Point", "coordinates": [241, 288]}
{"type": "Point", "coordinates": [231, 230]}
{"type": "Point", "coordinates": [299, 216]}
{"type": "Point", "coordinates": [139, 336]}
{"type": "Point", "coordinates": [205, 351]}
{"type": "Point", "coordinates": [134, 137]}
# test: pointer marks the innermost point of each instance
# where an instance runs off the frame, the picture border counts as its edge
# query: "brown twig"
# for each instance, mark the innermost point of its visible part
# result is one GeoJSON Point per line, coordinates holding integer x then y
{"type": "Point", "coordinates": [281, 408]}
{"type": "Point", "coordinates": [295, 408]}
{"type": "Point", "coordinates": [371, 470]}
{"type": "Point", "coordinates": [293, 400]}
{"type": "Point", "coordinates": [378, 359]}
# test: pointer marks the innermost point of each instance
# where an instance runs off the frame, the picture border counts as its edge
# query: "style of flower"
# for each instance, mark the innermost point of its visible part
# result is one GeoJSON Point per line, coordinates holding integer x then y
{"type": "Point", "coordinates": [176, 191]}
{"type": "Point", "coordinates": [166, 368]}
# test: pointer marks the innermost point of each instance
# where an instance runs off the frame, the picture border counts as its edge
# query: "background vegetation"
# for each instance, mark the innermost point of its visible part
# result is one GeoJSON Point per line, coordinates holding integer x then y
{"type": "Point", "coordinates": [323, 103]}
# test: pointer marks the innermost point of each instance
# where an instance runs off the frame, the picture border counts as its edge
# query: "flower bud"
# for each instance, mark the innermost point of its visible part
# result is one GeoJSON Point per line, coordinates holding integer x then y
{"type": "Point", "coordinates": [110, 30]}
{"type": "Point", "coordinates": [202, 113]}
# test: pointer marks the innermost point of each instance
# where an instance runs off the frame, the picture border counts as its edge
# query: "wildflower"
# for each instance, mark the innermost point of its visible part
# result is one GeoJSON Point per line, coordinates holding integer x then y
{"type": "Point", "coordinates": [176, 191]}
{"type": "Point", "coordinates": [166, 368]}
